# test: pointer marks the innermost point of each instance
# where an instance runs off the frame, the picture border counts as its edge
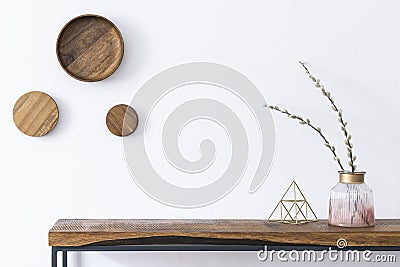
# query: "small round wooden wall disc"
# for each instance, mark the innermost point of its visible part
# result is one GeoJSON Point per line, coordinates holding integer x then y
{"type": "Point", "coordinates": [122, 120]}
{"type": "Point", "coordinates": [35, 113]}
{"type": "Point", "coordinates": [90, 48]}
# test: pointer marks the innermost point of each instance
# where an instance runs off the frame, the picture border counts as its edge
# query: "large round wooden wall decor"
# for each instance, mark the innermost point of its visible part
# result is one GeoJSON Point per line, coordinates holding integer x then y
{"type": "Point", "coordinates": [122, 120]}
{"type": "Point", "coordinates": [35, 114]}
{"type": "Point", "coordinates": [90, 48]}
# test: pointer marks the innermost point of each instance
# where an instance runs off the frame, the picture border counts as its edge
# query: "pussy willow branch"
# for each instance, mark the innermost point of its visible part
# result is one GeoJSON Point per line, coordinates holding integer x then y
{"type": "Point", "coordinates": [317, 129]}
{"type": "Point", "coordinates": [343, 123]}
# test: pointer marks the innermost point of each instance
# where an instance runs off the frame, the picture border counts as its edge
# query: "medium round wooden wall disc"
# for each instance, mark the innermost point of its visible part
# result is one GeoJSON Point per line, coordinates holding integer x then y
{"type": "Point", "coordinates": [35, 113]}
{"type": "Point", "coordinates": [90, 48]}
{"type": "Point", "coordinates": [122, 120]}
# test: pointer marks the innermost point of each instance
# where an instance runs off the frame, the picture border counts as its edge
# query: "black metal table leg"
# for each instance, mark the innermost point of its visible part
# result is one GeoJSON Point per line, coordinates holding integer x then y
{"type": "Point", "coordinates": [65, 258]}
{"type": "Point", "coordinates": [54, 257]}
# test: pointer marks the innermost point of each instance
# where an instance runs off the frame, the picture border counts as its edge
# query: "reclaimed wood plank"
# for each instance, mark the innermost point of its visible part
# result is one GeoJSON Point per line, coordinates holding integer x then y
{"type": "Point", "coordinates": [230, 232]}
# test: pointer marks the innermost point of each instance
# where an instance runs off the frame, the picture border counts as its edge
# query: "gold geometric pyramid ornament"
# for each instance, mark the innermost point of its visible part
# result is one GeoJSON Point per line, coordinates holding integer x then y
{"type": "Point", "coordinates": [293, 208]}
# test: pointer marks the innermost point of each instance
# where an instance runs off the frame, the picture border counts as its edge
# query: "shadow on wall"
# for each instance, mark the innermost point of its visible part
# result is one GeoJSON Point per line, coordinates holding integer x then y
{"type": "Point", "coordinates": [134, 57]}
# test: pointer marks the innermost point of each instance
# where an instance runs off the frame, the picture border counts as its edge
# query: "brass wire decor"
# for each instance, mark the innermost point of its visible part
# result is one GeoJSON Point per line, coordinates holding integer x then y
{"type": "Point", "coordinates": [293, 209]}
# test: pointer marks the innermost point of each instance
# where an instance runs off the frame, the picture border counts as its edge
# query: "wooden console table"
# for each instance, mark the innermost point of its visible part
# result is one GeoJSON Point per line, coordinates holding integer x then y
{"type": "Point", "coordinates": [213, 235]}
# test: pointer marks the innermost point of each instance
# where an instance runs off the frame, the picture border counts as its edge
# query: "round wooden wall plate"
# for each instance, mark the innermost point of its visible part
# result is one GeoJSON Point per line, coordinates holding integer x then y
{"type": "Point", "coordinates": [35, 113]}
{"type": "Point", "coordinates": [90, 48]}
{"type": "Point", "coordinates": [122, 120]}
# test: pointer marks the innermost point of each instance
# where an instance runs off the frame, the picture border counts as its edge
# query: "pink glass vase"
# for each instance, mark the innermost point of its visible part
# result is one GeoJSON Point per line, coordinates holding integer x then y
{"type": "Point", "coordinates": [351, 201]}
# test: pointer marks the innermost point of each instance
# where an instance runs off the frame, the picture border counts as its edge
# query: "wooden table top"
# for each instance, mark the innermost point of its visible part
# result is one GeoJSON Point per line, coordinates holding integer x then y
{"type": "Point", "coordinates": [227, 232]}
{"type": "Point", "coordinates": [90, 48]}
{"type": "Point", "coordinates": [35, 114]}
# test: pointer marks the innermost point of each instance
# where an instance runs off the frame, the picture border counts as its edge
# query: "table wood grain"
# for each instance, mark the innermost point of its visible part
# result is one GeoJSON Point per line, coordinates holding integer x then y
{"type": "Point", "coordinates": [229, 232]}
{"type": "Point", "coordinates": [90, 48]}
{"type": "Point", "coordinates": [122, 120]}
{"type": "Point", "coordinates": [35, 114]}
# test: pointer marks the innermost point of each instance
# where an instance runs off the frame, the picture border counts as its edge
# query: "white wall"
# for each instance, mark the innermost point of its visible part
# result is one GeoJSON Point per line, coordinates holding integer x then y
{"type": "Point", "coordinates": [78, 171]}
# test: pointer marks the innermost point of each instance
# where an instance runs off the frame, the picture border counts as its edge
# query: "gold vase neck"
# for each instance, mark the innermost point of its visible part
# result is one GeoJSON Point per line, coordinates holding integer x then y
{"type": "Point", "coordinates": [347, 177]}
